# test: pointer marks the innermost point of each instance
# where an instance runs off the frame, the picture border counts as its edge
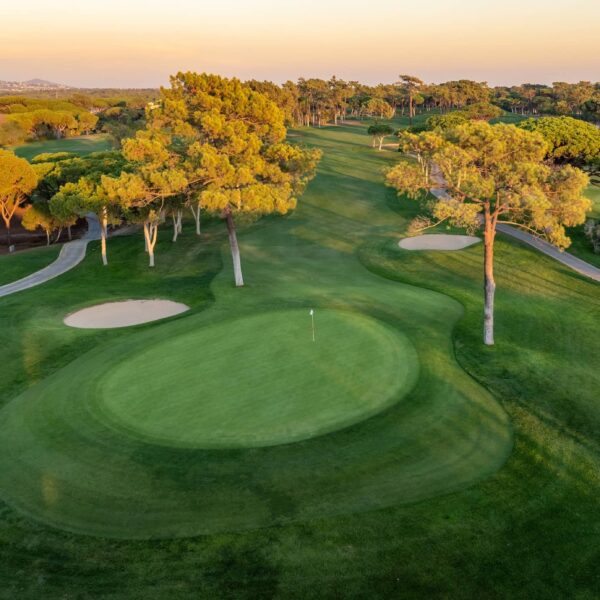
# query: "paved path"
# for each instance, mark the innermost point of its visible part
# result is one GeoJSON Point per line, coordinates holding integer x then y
{"type": "Point", "coordinates": [71, 254]}
{"type": "Point", "coordinates": [582, 267]}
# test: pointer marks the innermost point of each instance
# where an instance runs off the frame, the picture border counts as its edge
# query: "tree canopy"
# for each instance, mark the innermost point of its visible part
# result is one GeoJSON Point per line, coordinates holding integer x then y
{"type": "Point", "coordinates": [379, 131]}
{"type": "Point", "coordinates": [569, 139]}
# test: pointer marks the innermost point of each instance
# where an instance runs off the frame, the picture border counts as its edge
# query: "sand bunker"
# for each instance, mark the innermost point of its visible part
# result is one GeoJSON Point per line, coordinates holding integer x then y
{"type": "Point", "coordinates": [439, 241]}
{"type": "Point", "coordinates": [123, 314]}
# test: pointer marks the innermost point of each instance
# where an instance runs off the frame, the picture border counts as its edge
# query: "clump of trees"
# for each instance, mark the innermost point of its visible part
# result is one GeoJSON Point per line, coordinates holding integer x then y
{"type": "Point", "coordinates": [32, 119]}
{"type": "Point", "coordinates": [479, 111]}
{"type": "Point", "coordinates": [491, 174]}
{"type": "Point", "coordinates": [27, 119]}
{"type": "Point", "coordinates": [210, 144]}
{"type": "Point", "coordinates": [376, 107]}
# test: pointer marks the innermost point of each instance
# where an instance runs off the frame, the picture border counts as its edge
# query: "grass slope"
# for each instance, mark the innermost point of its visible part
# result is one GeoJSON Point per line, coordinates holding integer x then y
{"type": "Point", "coordinates": [84, 144]}
{"type": "Point", "coordinates": [529, 530]}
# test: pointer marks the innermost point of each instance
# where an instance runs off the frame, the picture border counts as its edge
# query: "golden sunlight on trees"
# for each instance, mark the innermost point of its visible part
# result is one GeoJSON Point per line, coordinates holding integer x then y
{"type": "Point", "coordinates": [215, 144]}
{"type": "Point", "coordinates": [17, 181]}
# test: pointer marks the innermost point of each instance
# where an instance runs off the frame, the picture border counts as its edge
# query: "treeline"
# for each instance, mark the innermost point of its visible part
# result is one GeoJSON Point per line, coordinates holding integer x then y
{"type": "Point", "coordinates": [318, 101]}
{"type": "Point", "coordinates": [24, 119]}
{"type": "Point", "coordinates": [576, 99]}
{"type": "Point", "coordinates": [307, 102]}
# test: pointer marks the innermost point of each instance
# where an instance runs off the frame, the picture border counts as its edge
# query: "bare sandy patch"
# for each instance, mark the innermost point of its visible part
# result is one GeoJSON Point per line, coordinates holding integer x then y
{"type": "Point", "coordinates": [438, 241]}
{"type": "Point", "coordinates": [124, 314]}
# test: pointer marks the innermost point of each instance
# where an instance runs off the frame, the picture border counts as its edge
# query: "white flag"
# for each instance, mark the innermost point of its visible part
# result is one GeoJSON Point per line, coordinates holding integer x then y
{"type": "Point", "coordinates": [312, 312]}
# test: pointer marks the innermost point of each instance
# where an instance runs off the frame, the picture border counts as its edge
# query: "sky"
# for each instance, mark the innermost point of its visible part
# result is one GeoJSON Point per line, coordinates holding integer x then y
{"type": "Point", "coordinates": [139, 43]}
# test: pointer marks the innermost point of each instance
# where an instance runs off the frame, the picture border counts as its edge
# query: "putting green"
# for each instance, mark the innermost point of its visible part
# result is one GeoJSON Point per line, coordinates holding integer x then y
{"type": "Point", "coordinates": [285, 386]}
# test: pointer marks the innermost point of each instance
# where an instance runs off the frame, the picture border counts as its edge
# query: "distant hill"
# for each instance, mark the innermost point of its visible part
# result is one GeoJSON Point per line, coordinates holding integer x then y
{"type": "Point", "coordinates": [31, 85]}
{"type": "Point", "coordinates": [43, 82]}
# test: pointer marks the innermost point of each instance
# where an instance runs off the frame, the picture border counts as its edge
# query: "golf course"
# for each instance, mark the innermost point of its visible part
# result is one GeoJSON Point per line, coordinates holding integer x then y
{"type": "Point", "coordinates": [370, 452]}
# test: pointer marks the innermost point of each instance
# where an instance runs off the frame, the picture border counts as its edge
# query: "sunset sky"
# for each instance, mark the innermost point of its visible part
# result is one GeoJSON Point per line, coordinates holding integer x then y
{"type": "Point", "coordinates": [138, 43]}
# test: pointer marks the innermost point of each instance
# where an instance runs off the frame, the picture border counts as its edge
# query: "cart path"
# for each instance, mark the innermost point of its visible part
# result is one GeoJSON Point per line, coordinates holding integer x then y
{"type": "Point", "coordinates": [71, 254]}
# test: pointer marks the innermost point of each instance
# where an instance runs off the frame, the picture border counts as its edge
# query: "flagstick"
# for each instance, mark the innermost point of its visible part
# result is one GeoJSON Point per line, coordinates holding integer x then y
{"type": "Point", "coordinates": [312, 317]}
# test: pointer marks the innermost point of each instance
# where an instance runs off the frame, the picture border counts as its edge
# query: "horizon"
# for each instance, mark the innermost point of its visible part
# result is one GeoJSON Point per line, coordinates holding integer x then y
{"type": "Point", "coordinates": [64, 85]}
{"type": "Point", "coordinates": [503, 43]}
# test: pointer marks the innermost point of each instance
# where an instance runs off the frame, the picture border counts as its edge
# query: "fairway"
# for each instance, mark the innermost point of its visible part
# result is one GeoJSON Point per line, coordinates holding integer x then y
{"type": "Point", "coordinates": [85, 144]}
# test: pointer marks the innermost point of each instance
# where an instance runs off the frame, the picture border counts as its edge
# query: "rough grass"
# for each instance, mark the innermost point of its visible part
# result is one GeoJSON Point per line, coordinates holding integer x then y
{"type": "Point", "coordinates": [17, 266]}
{"type": "Point", "coordinates": [529, 530]}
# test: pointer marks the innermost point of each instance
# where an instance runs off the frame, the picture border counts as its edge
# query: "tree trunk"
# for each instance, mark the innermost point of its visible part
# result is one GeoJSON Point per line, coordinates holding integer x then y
{"type": "Point", "coordinates": [489, 286]}
{"type": "Point", "coordinates": [149, 250]}
{"type": "Point", "coordinates": [235, 251]}
{"type": "Point", "coordinates": [196, 213]}
{"type": "Point", "coordinates": [8, 238]}
{"type": "Point", "coordinates": [175, 227]}
{"type": "Point", "coordinates": [150, 237]}
{"type": "Point", "coordinates": [69, 233]}
{"type": "Point", "coordinates": [380, 144]}
{"type": "Point", "coordinates": [103, 233]}
{"type": "Point", "coordinates": [47, 237]}
{"type": "Point", "coordinates": [58, 235]}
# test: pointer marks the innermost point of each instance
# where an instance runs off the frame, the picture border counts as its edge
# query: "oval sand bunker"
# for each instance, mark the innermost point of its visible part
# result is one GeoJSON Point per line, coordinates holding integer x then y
{"type": "Point", "coordinates": [123, 314]}
{"type": "Point", "coordinates": [438, 241]}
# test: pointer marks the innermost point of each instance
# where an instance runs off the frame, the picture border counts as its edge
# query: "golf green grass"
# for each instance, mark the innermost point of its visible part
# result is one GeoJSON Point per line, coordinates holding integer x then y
{"type": "Point", "coordinates": [84, 144]}
{"type": "Point", "coordinates": [481, 480]}
{"type": "Point", "coordinates": [286, 387]}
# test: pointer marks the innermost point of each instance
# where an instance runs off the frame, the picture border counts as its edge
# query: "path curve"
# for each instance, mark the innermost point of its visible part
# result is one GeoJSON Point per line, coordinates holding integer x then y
{"type": "Point", "coordinates": [71, 254]}
{"type": "Point", "coordinates": [577, 264]}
